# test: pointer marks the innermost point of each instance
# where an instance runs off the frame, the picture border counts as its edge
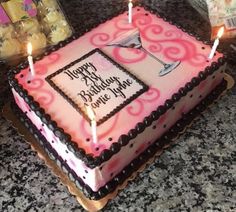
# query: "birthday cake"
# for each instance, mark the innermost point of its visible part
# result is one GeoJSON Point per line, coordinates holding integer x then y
{"type": "Point", "coordinates": [139, 79]}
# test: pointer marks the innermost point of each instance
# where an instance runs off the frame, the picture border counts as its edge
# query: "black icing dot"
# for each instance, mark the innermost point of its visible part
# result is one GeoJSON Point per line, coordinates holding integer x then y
{"type": "Point", "coordinates": [87, 139]}
{"type": "Point", "coordinates": [22, 75]}
{"type": "Point", "coordinates": [97, 148]}
{"type": "Point", "coordinates": [111, 174]}
{"type": "Point", "coordinates": [42, 125]}
{"type": "Point", "coordinates": [213, 77]}
{"type": "Point", "coordinates": [131, 145]}
{"type": "Point", "coordinates": [191, 96]}
{"type": "Point", "coordinates": [222, 71]}
{"type": "Point", "coordinates": [40, 130]}
{"type": "Point", "coordinates": [138, 9]}
{"type": "Point", "coordinates": [100, 168]}
{"type": "Point", "coordinates": [65, 161]}
{"type": "Point", "coordinates": [66, 151]}
{"type": "Point", "coordinates": [173, 108]}
{"type": "Point", "coordinates": [154, 127]}
{"type": "Point", "coordinates": [164, 126]}
{"type": "Point", "coordinates": [146, 14]}
{"type": "Point", "coordinates": [26, 112]}
{"type": "Point", "coordinates": [207, 61]}
{"type": "Point", "coordinates": [28, 81]}
{"type": "Point", "coordinates": [109, 139]}
{"type": "Point", "coordinates": [86, 171]}
{"type": "Point", "coordinates": [203, 47]}
{"type": "Point", "coordinates": [136, 152]}
{"type": "Point", "coordinates": [84, 177]}
{"type": "Point", "coordinates": [52, 141]}
{"type": "Point", "coordinates": [200, 96]}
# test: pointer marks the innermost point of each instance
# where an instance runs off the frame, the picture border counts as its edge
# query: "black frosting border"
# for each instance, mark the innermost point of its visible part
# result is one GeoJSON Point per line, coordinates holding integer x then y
{"type": "Point", "coordinates": [121, 68]}
{"type": "Point", "coordinates": [89, 159]}
{"type": "Point", "coordinates": [158, 145]}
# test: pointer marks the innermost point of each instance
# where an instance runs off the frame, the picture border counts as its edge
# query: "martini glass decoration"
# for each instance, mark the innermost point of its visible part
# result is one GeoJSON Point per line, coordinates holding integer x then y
{"type": "Point", "coordinates": [132, 39]}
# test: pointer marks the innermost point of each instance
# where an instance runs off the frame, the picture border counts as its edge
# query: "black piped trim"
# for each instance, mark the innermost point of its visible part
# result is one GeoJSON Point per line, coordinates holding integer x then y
{"type": "Point", "coordinates": [159, 145]}
{"type": "Point", "coordinates": [88, 159]}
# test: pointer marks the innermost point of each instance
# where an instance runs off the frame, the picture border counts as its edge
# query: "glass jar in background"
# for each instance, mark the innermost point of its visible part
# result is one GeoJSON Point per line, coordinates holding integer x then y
{"type": "Point", "coordinates": [23, 15]}
{"type": "Point", "coordinates": [39, 22]}
{"type": "Point", "coordinates": [53, 21]}
{"type": "Point", "coordinates": [9, 44]}
{"type": "Point", "coordinates": [30, 31]}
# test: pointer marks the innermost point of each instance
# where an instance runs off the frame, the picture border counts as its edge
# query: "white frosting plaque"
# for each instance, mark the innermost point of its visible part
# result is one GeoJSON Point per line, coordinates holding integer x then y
{"type": "Point", "coordinates": [97, 81]}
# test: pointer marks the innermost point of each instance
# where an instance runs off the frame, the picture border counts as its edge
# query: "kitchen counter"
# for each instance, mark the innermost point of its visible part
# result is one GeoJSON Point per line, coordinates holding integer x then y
{"type": "Point", "coordinates": [197, 173]}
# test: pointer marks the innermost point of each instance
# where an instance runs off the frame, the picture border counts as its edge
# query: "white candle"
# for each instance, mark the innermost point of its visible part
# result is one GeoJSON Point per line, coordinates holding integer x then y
{"type": "Point", "coordinates": [216, 42]}
{"type": "Point", "coordinates": [30, 58]}
{"type": "Point", "coordinates": [94, 130]}
{"type": "Point", "coordinates": [93, 123]}
{"type": "Point", "coordinates": [130, 6]}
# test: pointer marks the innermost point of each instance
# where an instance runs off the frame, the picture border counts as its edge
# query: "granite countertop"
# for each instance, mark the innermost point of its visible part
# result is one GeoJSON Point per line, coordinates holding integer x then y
{"type": "Point", "coordinates": [195, 174]}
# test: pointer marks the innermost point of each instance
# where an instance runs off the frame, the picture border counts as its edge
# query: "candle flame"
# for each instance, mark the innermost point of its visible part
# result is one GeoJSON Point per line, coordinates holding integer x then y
{"type": "Point", "coordinates": [220, 32]}
{"type": "Point", "coordinates": [90, 113]}
{"type": "Point", "coordinates": [130, 1]}
{"type": "Point", "coordinates": [29, 48]}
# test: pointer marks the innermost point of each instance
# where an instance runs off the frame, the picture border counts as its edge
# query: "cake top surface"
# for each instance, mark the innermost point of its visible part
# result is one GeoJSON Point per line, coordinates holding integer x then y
{"type": "Point", "coordinates": [123, 71]}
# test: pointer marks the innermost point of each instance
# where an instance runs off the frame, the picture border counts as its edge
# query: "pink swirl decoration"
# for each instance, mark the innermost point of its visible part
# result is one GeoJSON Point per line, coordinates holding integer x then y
{"type": "Point", "coordinates": [176, 48]}
{"type": "Point", "coordinates": [140, 20]}
{"type": "Point", "coordinates": [44, 97]}
{"type": "Point", "coordinates": [35, 83]}
{"type": "Point", "coordinates": [121, 55]}
{"type": "Point", "coordinates": [137, 109]}
{"type": "Point", "coordinates": [151, 32]}
{"type": "Point", "coordinates": [137, 106]}
{"type": "Point", "coordinates": [122, 24]}
{"type": "Point", "coordinates": [41, 67]}
{"type": "Point", "coordinates": [151, 95]}
{"type": "Point", "coordinates": [179, 50]}
{"type": "Point", "coordinates": [173, 34]}
{"type": "Point", "coordinates": [155, 48]}
{"type": "Point", "coordinates": [99, 39]}
{"type": "Point", "coordinates": [198, 60]}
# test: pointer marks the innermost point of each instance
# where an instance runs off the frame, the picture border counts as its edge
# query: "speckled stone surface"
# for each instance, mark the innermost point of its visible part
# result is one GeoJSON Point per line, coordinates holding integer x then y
{"type": "Point", "coordinates": [196, 174]}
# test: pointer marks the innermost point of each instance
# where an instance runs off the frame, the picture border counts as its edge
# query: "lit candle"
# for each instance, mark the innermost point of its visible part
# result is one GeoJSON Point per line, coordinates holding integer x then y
{"type": "Point", "coordinates": [93, 123]}
{"type": "Point", "coordinates": [130, 6]}
{"type": "Point", "coordinates": [30, 58]}
{"type": "Point", "coordinates": [216, 42]}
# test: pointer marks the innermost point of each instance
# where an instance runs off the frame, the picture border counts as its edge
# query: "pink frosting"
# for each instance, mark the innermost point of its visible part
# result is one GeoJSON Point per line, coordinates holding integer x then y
{"type": "Point", "coordinates": [163, 40]}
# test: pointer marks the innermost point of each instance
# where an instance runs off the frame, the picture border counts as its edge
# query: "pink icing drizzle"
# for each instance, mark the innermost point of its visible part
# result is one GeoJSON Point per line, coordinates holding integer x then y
{"type": "Point", "coordinates": [137, 55]}
{"type": "Point", "coordinates": [100, 39]}
{"type": "Point", "coordinates": [137, 106]}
